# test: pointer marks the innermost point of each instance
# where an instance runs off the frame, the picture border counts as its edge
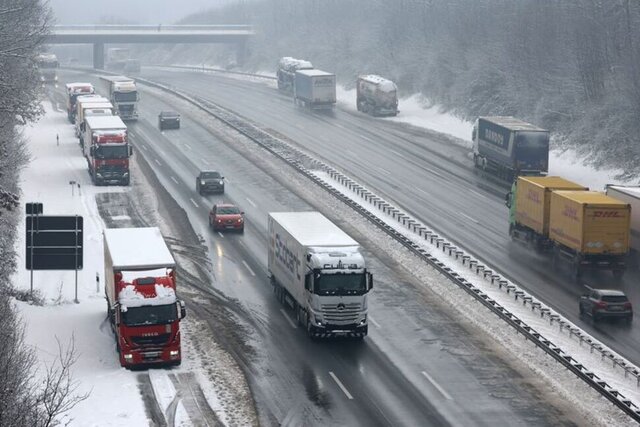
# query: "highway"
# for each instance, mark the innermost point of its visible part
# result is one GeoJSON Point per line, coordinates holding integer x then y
{"type": "Point", "coordinates": [428, 176]}
{"type": "Point", "coordinates": [419, 365]}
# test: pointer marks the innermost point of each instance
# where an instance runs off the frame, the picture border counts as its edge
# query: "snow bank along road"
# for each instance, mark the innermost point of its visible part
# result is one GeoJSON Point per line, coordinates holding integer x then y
{"type": "Point", "coordinates": [421, 364]}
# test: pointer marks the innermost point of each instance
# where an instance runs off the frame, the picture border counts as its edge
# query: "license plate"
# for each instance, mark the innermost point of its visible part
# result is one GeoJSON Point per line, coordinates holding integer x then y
{"type": "Point", "coordinates": [615, 308]}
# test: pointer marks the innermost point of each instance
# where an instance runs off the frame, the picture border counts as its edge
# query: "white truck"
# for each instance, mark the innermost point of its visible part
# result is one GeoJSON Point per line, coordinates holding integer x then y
{"type": "Point", "coordinates": [123, 94]}
{"type": "Point", "coordinates": [314, 89]}
{"type": "Point", "coordinates": [83, 104]}
{"type": "Point", "coordinates": [319, 271]}
{"type": "Point", "coordinates": [629, 194]}
{"type": "Point", "coordinates": [287, 67]}
{"type": "Point", "coordinates": [142, 305]}
{"type": "Point", "coordinates": [376, 95]}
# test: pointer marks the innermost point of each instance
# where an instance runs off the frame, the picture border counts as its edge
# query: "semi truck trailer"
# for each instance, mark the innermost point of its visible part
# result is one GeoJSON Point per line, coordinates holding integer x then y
{"type": "Point", "coordinates": [74, 90]}
{"type": "Point", "coordinates": [287, 67]}
{"type": "Point", "coordinates": [142, 305]}
{"type": "Point", "coordinates": [82, 103]}
{"type": "Point", "coordinates": [107, 150]}
{"type": "Point", "coordinates": [377, 96]}
{"type": "Point", "coordinates": [508, 147]}
{"type": "Point", "coordinates": [315, 89]}
{"type": "Point", "coordinates": [318, 270]}
{"type": "Point", "coordinates": [122, 92]}
{"type": "Point", "coordinates": [579, 228]}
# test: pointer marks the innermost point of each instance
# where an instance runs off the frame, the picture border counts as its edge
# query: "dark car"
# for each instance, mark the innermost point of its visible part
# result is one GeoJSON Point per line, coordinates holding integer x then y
{"type": "Point", "coordinates": [168, 120]}
{"type": "Point", "coordinates": [226, 217]}
{"type": "Point", "coordinates": [209, 182]}
{"type": "Point", "coordinates": [601, 303]}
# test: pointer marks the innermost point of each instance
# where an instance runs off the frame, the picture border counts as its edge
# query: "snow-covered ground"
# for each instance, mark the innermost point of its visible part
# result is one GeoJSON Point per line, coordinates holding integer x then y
{"type": "Point", "coordinates": [115, 394]}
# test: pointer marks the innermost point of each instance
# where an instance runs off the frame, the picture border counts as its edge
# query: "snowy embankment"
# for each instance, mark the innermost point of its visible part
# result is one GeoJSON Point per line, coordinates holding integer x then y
{"type": "Point", "coordinates": [115, 394]}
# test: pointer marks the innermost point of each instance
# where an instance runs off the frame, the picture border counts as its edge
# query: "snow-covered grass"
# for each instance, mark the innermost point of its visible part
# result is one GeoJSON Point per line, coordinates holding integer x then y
{"type": "Point", "coordinates": [115, 397]}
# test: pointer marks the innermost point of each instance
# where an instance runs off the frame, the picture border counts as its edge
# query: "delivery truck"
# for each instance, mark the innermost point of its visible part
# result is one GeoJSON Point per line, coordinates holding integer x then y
{"type": "Point", "coordinates": [508, 147]}
{"type": "Point", "coordinates": [629, 194]}
{"type": "Point", "coordinates": [107, 150]}
{"type": "Point", "coordinates": [287, 67]}
{"type": "Point", "coordinates": [82, 103]}
{"type": "Point", "coordinates": [314, 89]}
{"type": "Point", "coordinates": [319, 271]}
{"type": "Point", "coordinates": [377, 96]}
{"type": "Point", "coordinates": [122, 92]}
{"type": "Point", "coordinates": [142, 305]}
{"type": "Point", "coordinates": [580, 229]}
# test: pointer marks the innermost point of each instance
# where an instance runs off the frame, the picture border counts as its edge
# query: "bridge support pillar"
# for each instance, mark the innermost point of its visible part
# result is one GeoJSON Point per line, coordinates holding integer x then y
{"type": "Point", "coordinates": [98, 56]}
{"type": "Point", "coordinates": [241, 53]}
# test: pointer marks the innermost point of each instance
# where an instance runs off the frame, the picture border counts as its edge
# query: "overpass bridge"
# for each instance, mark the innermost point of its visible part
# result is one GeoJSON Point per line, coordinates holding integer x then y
{"type": "Point", "coordinates": [99, 35]}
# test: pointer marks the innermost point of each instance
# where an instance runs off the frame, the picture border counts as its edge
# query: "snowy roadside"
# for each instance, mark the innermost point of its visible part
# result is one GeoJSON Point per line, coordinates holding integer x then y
{"type": "Point", "coordinates": [116, 395]}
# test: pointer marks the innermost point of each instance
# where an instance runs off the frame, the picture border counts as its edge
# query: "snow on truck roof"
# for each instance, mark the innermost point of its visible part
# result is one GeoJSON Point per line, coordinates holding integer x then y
{"type": "Point", "coordinates": [117, 78]}
{"type": "Point", "coordinates": [314, 73]}
{"type": "Point", "coordinates": [137, 249]}
{"type": "Point", "coordinates": [312, 229]}
{"type": "Point", "coordinates": [105, 122]}
{"type": "Point", "coordinates": [385, 85]}
{"type": "Point", "coordinates": [512, 123]}
{"type": "Point", "coordinates": [633, 191]}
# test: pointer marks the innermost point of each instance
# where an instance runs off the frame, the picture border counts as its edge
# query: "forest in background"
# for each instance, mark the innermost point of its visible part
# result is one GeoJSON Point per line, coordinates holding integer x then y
{"type": "Point", "coordinates": [572, 66]}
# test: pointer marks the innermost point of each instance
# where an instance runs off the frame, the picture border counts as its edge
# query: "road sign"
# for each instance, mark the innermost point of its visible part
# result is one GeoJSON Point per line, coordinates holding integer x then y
{"type": "Point", "coordinates": [34, 208]}
{"type": "Point", "coordinates": [54, 242]}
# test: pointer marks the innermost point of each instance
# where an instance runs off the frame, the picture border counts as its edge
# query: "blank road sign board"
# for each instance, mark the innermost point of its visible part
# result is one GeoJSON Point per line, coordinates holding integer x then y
{"type": "Point", "coordinates": [54, 242]}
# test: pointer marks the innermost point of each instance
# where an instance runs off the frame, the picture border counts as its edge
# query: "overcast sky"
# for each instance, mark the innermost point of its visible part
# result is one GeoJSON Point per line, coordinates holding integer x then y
{"type": "Point", "coordinates": [134, 11]}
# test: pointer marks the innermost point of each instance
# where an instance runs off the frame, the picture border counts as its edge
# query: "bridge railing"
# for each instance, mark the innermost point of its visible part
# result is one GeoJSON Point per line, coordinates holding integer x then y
{"type": "Point", "coordinates": [152, 28]}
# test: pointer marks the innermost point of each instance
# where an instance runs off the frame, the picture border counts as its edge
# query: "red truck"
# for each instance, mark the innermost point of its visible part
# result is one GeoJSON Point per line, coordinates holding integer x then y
{"type": "Point", "coordinates": [142, 306]}
{"type": "Point", "coordinates": [106, 149]}
{"type": "Point", "coordinates": [74, 90]}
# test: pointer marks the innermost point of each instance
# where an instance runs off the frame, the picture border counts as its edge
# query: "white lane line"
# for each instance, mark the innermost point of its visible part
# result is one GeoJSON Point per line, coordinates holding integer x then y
{"type": "Point", "coordinates": [228, 180]}
{"type": "Point", "coordinates": [402, 156]}
{"type": "Point", "coordinates": [436, 385]}
{"type": "Point", "coordinates": [422, 191]}
{"type": "Point", "coordinates": [435, 173]}
{"type": "Point", "coordinates": [339, 125]}
{"type": "Point", "coordinates": [342, 387]}
{"type": "Point", "coordinates": [250, 202]}
{"type": "Point", "coordinates": [144, 147]}
{"type": "Point", "coordinates": [158, 162]}
{"type": "Point", "coordinates": [376, 324]}
{"type": "Point", "coordinates": [187, 146]}
{"type": "Point", "coordinates": [194, 203]}
{"type": "Point", "coordinates": [175, 180]}
{"type": "Point", "coordinates": [220, 234]}
{"type": "Point", "coordinates": [286, 316]}
{"type": "Point", "coordinates": [479, 194]}
{"type": "Point", "coordinates": [366, 138]}
{"type": "Point", "coordinates": [469, 218]}
{"type": "Point", "coordinates": [161, 152]}
{"type": "Point", "coordinates": [248, 268]}
{"type": "Point", "coordinates": [384, 171]}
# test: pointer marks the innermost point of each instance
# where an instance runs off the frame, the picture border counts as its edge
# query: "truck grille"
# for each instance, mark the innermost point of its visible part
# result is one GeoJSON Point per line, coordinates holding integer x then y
{"type": "Point", "coordinates": [158, 340]}
{"type": "Point", "coordinates": [341, 313]}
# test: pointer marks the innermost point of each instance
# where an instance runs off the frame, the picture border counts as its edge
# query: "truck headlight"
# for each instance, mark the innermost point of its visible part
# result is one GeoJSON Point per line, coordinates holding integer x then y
{"type": "Point", "coordinates": [221, 182]}
{"type": "Point", "coordinates": [174, 354]}
{"type": "Point", "coordinates": [98, 175]}
{"type": "Point", "coordinates": [126, 174]}
{"type": "Point", "coordinates": [364, 320]}
{"type": "Point", "coordinates": [128, 357]}
{"type": "Point", "coordinates": [201, 182]}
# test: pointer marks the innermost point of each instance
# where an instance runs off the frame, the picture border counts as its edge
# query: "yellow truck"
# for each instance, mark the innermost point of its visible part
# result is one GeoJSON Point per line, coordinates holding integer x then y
{"type": "Point", "coordinates": [529, 203]}
{"type": "Point", "coordinates": [585, 229]}
{"type": "Point", "coordinates": [590, 229]}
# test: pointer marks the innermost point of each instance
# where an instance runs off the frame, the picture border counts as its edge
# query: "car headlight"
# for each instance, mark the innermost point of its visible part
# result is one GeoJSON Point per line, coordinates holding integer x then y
{"type": "Point", "coordinates": [201, 182]}
{"type": "Point", "coordinates": [98, 175]}
{"type": "Point", "coordinates": [240, 220]}
{"type": "Point", "coordinates": [221, 182]}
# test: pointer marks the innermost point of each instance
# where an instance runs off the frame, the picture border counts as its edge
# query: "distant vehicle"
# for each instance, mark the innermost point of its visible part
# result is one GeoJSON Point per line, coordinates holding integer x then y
{"type": "Point", "coordinates": [377, 96]}
{"type": "Point", "coordinates": [131, 66]}
{"type": "Point", "coordinates": [226, 217]}
{"type": "Point", "coordinates": [209, 182]}
{"type": "Point", "coordinates": [74, 90]}
{"type": "Point", "coordinates": [287, 68]}
{"type": "Point", "coordinates": [606, 303]}
{"type": "Point", "coordinates": [318, 270]}
{"type": "Point", "coordinates": [117, 58]}
{"type": "Point", "coordinates": [168, 120]}
{"type": "Point", "coordinates": [142, 305]}
{"type": "Point", "coordinates": [123, 94]}
{"type": "Point", "coordinates": [47, 65]}
{"type": "Point", "coordinates": [314, 89]}
{"type": "Point", "coordinates": [508, 147]}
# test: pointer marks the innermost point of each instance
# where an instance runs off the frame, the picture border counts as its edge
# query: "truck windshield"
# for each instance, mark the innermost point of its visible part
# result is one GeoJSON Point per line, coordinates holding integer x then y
{"type": "Point", "coordinates": [126, 96]}
{"type": "Point", "coordinates": [150, 315]}
{"type": "Point", "coordinates": [340, 284]}
{"type": "Point", "coordinates": [111, 152]}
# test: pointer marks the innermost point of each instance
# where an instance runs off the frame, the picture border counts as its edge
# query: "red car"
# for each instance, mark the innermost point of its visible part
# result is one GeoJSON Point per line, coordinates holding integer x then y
{"type": "Point", "coordinates": [226, 217]}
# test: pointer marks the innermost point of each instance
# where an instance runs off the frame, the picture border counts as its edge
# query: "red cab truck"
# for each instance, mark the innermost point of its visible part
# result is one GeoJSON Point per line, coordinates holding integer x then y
{"type": "Point", "coordinates": [142, 306]}
{"type": "Point", "coordinates": [106, 149]}
{"type": "Point", "coordinates": [74, 90]}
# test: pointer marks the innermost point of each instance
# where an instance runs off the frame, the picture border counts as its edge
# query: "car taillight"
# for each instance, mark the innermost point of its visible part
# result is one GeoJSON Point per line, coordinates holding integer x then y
{"type": "Point", "coordinates": [627, 305]}
{"type": "Point", "coordinates": [601, 304]}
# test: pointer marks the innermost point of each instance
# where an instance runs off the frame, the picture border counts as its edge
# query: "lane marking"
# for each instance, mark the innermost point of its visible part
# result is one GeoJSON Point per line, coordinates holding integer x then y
{"type": "Point", "coordinates": [220, 234]}
{"type": "Point", "coordinates": [422, 191]}
{"type": "Point", "coordinates": [187, 146]}
{"type": "Point", "coordinates": [437, 386]}
{"type": "Point", "coordinates": [248, 268]}
{"type": "Point", "coordinates": [228, 180]}
{"type": "Point", "coordinates": [384, 171]}
{"type": "Point", "coordinates": [286, 316]}
{"type": "Point", "coordinates": [194, 203]}
{"type": "Point", "coordinates": [376, 324]}
{"type": "Point", "coordinates": [175, 180]}
{"type": "Point", "coordinates": [339, 125]}
{"type": "Point", "coordinates": [161, 152]}
{"type": "Point", "coordinates": [342, 387]}
{"type": "Point", "coordinates": [470, 218]}
{"type": "Point", "coordinates": [366, 138]}
{"type": "Point", "coordinates": [158, 162]}
{"type": "Point", "coordinates": [144, 147]}
{"type": "Point", "coordinates": [435, 173]}
{"type": "Point", "coordinates": [250, 202]}
{"type": "Point", "coordinates": [479, 194]}
{"type": "Point", "coordinates": [398, 154]}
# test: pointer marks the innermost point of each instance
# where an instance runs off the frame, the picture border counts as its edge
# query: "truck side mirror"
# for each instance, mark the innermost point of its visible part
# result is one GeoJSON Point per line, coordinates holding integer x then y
{"type": "Point", "coordinates": [183, 310]}
{"type": "Point", "coordinates": [507, 200]}
{"type": "Point", "coordinates": [369, 281]}
{"type": "Point", "coordinates": [307, 282]}
{"type": "Point", "coordinates": [92, 151]}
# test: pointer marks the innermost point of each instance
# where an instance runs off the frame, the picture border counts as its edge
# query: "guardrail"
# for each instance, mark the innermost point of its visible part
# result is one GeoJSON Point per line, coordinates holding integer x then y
{"type": "Point", "coordinates": [216, 70]}
{"type": "Point", "coordinates": [305, 164]}
{"type": "Point", "coordinates": [154, 28]}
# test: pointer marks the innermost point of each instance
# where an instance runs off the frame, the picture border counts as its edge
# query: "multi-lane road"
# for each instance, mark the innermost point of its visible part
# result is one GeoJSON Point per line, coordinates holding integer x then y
{"type": "Point", "coordinates": [420, 365]}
